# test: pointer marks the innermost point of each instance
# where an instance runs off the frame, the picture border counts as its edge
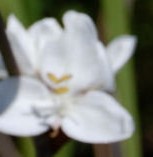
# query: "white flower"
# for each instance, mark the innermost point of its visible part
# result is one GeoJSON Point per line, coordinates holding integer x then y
{"type": "Point", "coordinates": [74, 72]}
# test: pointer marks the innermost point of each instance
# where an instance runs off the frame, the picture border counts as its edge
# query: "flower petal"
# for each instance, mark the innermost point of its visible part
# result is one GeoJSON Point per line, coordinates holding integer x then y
{"type": "Point", "coordinates": [89, 62]}
{"type": "Point", "coordinates": [18, 98]}
{"type": "Point", "coordinates": [108, 79]}
{"type": "Point", "coordinates": [120, 50]}
{"type": "Point", "coordinates": [45, 30]}
{"type": "Point", "coordinates": [22, 45]}
{"type": "Point", "coordinates": [80, 24]}
{"type": "Point", "coordinates": [97, 118]}
{"type": "Point", "coordinates": [77, 53]}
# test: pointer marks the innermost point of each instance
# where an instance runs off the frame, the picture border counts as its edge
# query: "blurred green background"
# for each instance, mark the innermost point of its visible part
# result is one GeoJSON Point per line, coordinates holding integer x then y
{"type": "Point", "coordinates": [142, 26]}
{"type": "Point", "coordinates": [113, 17]}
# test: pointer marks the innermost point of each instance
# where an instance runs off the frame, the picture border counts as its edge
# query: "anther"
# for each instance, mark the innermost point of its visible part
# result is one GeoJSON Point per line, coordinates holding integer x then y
{"type": "Point", "coordinates": [61, 90]}
{"type": "Point", "coordinates": [53, 78]}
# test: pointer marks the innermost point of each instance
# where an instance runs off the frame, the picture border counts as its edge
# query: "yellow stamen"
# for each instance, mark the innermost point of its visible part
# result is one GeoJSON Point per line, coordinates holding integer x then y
{"type": "Point", "coordinates": [64, 78]}
{"type": "Point", "coordinates": [61, 90]}
{"type": "Point", "coordinates": [53, 78]}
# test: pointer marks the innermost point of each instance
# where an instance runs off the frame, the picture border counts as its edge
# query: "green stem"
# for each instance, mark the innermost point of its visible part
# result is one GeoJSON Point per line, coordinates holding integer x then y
{"type": "Point", "coordinates": [68, 150]}
{"type": "Point", "coordinates": [116, 20]}
{"type": "Point", "coordinates": [26, 147]}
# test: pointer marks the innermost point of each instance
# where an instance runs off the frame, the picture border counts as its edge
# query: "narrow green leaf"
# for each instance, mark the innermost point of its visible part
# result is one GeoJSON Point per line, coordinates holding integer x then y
{"type": "Point", "coordinates": [13, 6]}
{"type": "Point", "coordinates": [26, 147]}
{"type": "Point", "coordinates": [116, 22]}
{"type": "Point", "coordinates": [68, 150]}
{"type": "Point", "coordinates": [34, 9]}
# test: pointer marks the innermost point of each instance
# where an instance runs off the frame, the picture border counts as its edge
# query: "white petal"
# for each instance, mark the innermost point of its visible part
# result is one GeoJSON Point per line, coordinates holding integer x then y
{"type": "Point", "coordinates": [18, 98]}
{"type": "Point", "coordinates": [22, 45]}
{"type": "Point", "coordinates": [80, 24]}
{"type": "Point", "coordinates": [97, 118]}
{"type": "Point", "coordinates": [53, 61]}
{"type": "Point", "coordinates": [86, 64]}
{"type": "Point", "coordinates": [108, 78]}
{"type": "Point", "coordinates": [90, 63]}
{"type": "Point", "coordinates": [120, 50]}
{"type": "Point", "coordinates": [46, 30]}
{"type": "Point", "coordinates": [78, 54]}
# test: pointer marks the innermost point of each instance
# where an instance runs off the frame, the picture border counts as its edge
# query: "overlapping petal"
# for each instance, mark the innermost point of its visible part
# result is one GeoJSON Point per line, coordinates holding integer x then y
{"type": "Point", "coordinates": [22, 46]}
{"type": "Point", "coordinates": [27, 44]}
{"type": "Point", "coordinates": [98, 118]}
{"type": "Point", "coordinates": [19, 97]}
{"type": "Point", "coordinates": [80, 24]}
{"type": "Point", "coordinates": [78, 52]}
{"type": "Point", "coordinates": [46, 30]}
{"type": "Point", "coordinates": [109, 122]}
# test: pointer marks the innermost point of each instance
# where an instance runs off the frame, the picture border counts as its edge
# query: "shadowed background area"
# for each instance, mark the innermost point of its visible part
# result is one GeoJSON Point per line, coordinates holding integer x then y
{"type": "Point", "coordinates": [143, 27]}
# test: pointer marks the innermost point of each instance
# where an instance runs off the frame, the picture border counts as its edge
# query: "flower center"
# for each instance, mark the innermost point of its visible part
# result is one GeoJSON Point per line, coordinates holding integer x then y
{"type": "Point", "coordinates": [56, 80]}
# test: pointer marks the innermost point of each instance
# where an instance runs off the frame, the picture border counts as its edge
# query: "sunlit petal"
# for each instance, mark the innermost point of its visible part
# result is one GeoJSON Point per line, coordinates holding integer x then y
{"type": "Point", "coordinates": [22, 45]}
{"type": "Point", "coordinates": [78, 53]}
{"type": "Point", "coordinates": [120, 50]}
{"type": "Point", "coordinates": [98, 118]}
{"type": "Point", "coordinates": [46, 30]}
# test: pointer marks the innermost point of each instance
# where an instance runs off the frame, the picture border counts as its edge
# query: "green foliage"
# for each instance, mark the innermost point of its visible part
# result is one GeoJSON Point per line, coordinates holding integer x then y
{"type": "Point", "coordinates": [27, 11]}
{"type": "Point", "coordinates": [68, 150]}
{"type": "Point", "coordinates": [13, 6]}
{"type": "Point", "coordinates": [26, 147]}
{"type": "Point", "coordinates": [116, 23]}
